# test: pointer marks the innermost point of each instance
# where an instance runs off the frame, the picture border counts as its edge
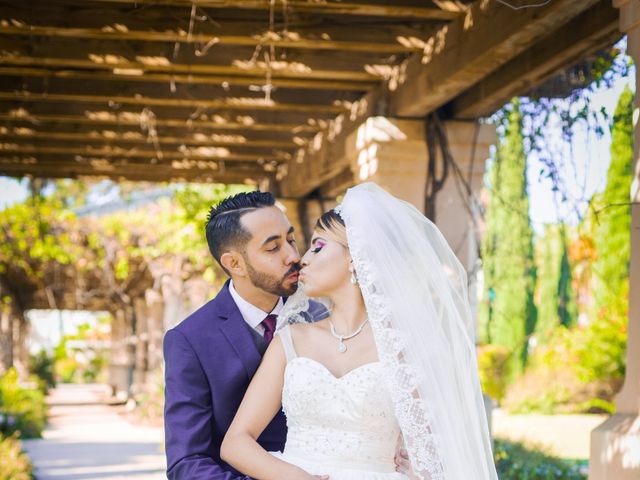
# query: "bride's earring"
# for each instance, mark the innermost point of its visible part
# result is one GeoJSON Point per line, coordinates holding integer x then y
{"type": "Point", "coordinates": [353, 279]}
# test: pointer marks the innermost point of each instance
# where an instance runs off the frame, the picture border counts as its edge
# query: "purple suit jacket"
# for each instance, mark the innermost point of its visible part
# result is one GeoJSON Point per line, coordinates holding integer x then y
{"type": "Point", "coordinates": [210, 359]}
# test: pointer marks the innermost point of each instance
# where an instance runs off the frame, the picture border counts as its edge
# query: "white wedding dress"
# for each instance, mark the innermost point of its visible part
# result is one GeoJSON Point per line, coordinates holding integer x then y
{"type": "Point", "coordinates": [343, 427]}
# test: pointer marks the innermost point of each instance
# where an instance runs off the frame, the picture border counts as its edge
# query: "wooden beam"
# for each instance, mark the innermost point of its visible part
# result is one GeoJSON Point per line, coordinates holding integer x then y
{"type": "Point", "coordinates": [328, 8]}
{"type": "Point", "coordinates": [200, 38]}
{"type": "Point", "coordinates": [153, 173]}
{"type": "Point", "coordinates": [122, 18]}
{"type": "Point", "coordinates": [584, 35]}
{"type": "Point", "coordinates": [206, 114]}
{"type": "Point", "coordinates": [130, 153]}
{"type": "Point", "coordinates": [468, 49]}
{"type": "Point", "coordinates": [131, 120]}
{"type": "Point", "coordinates": [190, 69]}
{"type": "Point", "coordinates": [184, 79]}
{"type": "Point", "coordinates": [251, 104]}
{"type": "Point", "coordinates": [325, 156]}
{"type": "Point", "coordinates": [138, 138]}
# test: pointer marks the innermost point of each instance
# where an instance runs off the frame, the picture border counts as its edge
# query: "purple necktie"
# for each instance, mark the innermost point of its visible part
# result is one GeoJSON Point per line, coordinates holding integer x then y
{"type": "Point", "coordinates": [269, 324]}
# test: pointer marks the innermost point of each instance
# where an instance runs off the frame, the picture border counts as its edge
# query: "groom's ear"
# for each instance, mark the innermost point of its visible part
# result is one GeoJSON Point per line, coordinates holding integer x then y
{"type": "Point", "coordinates": [234, 263]}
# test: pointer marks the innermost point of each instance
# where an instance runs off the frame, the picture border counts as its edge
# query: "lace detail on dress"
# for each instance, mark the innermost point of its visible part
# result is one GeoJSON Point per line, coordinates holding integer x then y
{"type": "Point", "coordinates": [412, 411]}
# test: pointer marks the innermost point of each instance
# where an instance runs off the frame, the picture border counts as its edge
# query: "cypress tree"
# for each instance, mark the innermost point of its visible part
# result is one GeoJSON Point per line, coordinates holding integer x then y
{"type": "Point", "coordinates": [613, 223]}
{"type": "Point", "coordinates": [555, 297]}
{"type": "Point", "coordinates": [567, 305]}
{"type": "Point", "coordinates": [508, 313]}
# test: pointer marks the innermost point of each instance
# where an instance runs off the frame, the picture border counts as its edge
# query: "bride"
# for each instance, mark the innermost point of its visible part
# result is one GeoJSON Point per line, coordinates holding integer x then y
{"type": "Point", "coordinates": [393, 366]}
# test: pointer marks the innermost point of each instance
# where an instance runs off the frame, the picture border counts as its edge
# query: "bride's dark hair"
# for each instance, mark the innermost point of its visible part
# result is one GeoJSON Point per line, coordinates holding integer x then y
{"type": "Point", "coordinates": [331, 221]}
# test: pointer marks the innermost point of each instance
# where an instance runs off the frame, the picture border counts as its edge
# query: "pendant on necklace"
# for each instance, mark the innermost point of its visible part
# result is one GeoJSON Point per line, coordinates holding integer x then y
{"type": "Point", "coordinates": [342, 347]}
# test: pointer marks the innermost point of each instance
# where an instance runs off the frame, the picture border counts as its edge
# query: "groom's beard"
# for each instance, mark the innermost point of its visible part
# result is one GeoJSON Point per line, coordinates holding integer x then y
{"type": "Point", "coordinates": [271, 284]}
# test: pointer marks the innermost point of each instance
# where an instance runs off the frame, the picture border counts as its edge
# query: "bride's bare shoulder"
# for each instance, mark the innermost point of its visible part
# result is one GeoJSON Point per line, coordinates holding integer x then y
{"type": "Point", "coordinates": [308, 329]}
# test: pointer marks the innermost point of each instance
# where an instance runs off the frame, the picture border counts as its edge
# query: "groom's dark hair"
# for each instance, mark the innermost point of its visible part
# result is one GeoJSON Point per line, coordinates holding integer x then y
{"type": "Point", "coordinates": [224, 229]}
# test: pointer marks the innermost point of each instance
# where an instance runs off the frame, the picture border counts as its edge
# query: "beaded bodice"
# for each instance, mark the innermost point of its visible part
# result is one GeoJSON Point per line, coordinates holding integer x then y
{"type": "Point", "coordinates": [347, 419]}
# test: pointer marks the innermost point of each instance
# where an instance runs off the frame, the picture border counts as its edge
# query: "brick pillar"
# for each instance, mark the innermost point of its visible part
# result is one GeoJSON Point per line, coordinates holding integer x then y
{"type": "Point", "coordinates": [615, 444]}
{"type": "Point", "coordinates": [393, 153]}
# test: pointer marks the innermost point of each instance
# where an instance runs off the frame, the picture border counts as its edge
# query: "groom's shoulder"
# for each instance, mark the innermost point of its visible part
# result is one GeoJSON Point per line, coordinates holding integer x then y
{"type": "Point", "coordinates": [317, 311]}
{"type": "Point", "coordinates": [209, 313]}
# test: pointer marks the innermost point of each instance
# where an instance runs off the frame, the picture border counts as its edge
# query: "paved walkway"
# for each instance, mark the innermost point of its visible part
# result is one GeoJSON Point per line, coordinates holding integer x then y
{"type": "Point", "coordinates": [567, 436]}
{"type": "Point", "coordinates": [88, 439]}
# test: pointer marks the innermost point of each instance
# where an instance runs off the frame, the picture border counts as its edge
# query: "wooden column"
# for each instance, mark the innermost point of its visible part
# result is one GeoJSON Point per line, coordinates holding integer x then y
{"type": "Point", "coordinates": [140, 346]}
{"type": "Point", "coordinates": [615, 444]}
{"type": "Point", "coordinates": [155, 311]}
{"type": "Point", "coordinates": [14, 333]}
{"type": "Point", "coordinates": [6, 338]}
{"type": "Point", "coordinates": [20, 347]}
{"type": "Point", "coordinates": [121, 361]}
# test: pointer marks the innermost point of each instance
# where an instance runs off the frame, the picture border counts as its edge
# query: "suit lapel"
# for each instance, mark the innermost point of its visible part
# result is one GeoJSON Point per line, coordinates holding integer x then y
{"type": "Point", "coordinates": [237, 333]}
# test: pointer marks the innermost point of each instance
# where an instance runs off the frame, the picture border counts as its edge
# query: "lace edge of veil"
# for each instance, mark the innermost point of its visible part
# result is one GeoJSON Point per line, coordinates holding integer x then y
{"type": "Point", "coordinates": [411, 410]}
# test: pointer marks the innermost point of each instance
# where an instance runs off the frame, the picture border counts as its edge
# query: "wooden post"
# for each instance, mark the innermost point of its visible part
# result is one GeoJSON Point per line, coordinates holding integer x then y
{"type": "Point", "coordinates": [140, 346]}
{"type": "Point", "coordinates": [20, 348]}
{"type": "Point", "coordinates": [6, 338]}
{"type": "Point", "coordinates": [119, 375]}
{"type": "Point", "coordinates": [155, 311]}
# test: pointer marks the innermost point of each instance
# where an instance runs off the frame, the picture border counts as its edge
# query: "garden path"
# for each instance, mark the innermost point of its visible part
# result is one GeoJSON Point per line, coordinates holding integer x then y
{"type": "Point", "coordinates": [567, 436]}
{"type": "Point", "coordinates": [86, 438]}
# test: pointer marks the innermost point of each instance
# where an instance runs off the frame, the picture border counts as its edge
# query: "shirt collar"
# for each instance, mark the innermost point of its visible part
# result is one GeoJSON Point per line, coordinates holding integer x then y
{"type": "Point", "coordinates": [252, 314]}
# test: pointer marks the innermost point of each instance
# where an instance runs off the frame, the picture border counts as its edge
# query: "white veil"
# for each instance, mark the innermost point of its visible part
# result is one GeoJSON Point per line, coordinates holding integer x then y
{"type": "Point", "coordinates": [415, 292]}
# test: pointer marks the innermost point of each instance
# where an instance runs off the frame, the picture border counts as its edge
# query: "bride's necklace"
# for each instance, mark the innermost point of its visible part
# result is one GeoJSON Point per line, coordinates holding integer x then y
{"type": "Point", "coordinates": [341, 346]}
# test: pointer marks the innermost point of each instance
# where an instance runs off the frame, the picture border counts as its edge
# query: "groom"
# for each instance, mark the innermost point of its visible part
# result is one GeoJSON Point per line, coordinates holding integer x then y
{"type": "Point", "coordinates": [212, 355]}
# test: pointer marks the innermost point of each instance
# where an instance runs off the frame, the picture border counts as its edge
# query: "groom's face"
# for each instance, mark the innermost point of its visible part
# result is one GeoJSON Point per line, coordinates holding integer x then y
{"type": "Point", "coordinates": [271, 255]}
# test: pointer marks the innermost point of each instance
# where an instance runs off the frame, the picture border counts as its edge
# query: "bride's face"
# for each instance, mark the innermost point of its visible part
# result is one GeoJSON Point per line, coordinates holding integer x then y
{"type": "Point", "coordinates": [325, 266]}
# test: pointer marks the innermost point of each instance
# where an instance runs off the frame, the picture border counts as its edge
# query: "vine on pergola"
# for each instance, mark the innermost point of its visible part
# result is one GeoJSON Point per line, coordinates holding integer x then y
{"type": "Point", "coordinates": [52, 259]}
{"type": "Point", "coordinates": [545, 115]}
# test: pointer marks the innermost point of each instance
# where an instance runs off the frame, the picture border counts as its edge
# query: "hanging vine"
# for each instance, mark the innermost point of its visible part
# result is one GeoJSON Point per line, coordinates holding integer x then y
{"type": "Point", "coordinates": [551, 123]}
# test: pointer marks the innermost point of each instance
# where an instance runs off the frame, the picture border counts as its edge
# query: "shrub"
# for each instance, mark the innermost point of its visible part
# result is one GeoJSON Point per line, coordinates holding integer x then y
{"type": "Point", "coordinates": [41, 365]}
{"type": "Point", "coordinates": [15, 464]}
{"type": "Point", "coordinates": [66, 369]}
{"type": "Point", "coordinates": [600, 350]}
{"type": "Point", "coordinates": [515, 461]}
{"type": "Point", "coordinates": [23, 409]}
{"type": "Point", "coordinates": [150, 403]}
{"type": "Point", "coordinates": [494, 369]}
{"type": "Point", "coordinates": [579, 370]}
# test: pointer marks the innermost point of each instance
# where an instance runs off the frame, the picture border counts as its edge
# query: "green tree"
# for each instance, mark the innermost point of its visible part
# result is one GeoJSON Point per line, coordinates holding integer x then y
{"type": "Point", "coordinates": [567, 305]}
{"type": "Point", "coordinates": [508, 314]}
{"type": "Point", "coordinates": [613, 222]}
{"type": "Point", "coordinates": [556, 300]}
{"type": "Point", "coordinates": [602, 354]}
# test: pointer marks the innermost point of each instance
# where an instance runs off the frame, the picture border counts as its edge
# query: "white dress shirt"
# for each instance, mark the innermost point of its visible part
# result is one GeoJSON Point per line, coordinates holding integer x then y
{"type": "Point", "coordinates": [253, 315]}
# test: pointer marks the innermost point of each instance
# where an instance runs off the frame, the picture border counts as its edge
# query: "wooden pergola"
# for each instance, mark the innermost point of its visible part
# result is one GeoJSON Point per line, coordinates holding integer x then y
{"type": "Point", "coordinates": [305, 98]}
{"type": "Point", "coordinates": [261, 90]}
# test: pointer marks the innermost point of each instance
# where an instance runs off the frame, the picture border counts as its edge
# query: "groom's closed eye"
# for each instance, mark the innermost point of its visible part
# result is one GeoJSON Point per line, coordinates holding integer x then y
{"type": "Point", "coordinates": [276, 247]}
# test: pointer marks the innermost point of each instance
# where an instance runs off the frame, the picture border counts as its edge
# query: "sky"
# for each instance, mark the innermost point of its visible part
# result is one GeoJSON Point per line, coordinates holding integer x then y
{"type": "Point", "coordinates": [585, 174]}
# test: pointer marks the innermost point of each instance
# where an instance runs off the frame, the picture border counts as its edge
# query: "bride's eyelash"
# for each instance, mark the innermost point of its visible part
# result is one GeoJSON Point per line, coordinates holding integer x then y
{"type": "Point", "coordinates": [317, 249]}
